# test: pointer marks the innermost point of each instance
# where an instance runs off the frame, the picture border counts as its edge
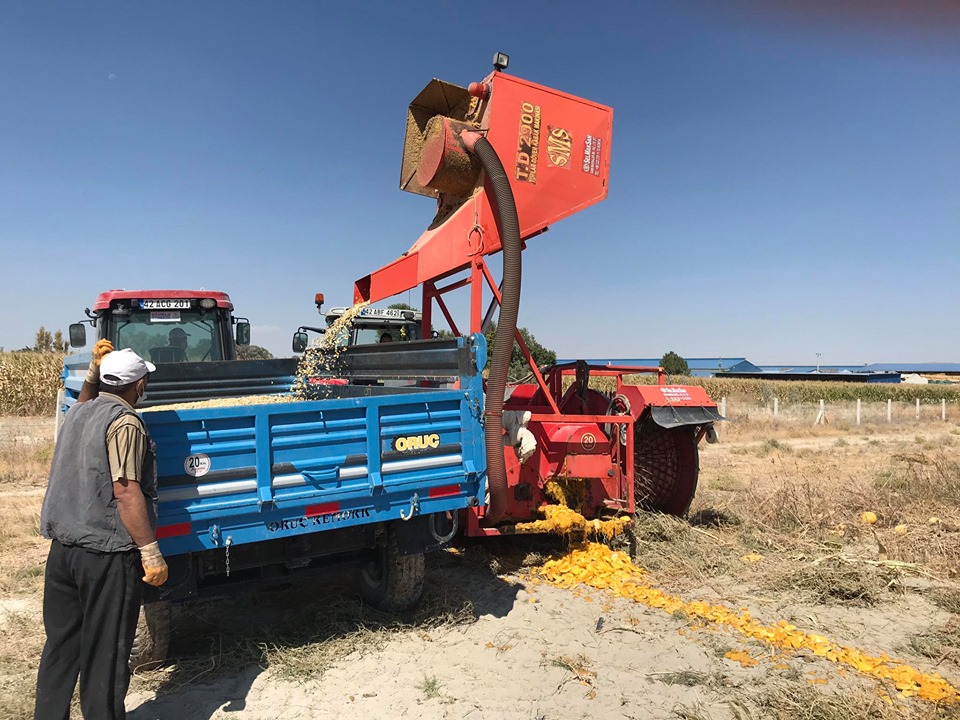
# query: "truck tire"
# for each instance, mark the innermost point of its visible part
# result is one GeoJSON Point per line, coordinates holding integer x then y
{"type": "Point", "coordinates": [392, 582]}
{"type": "Point", "coordinates": [152, 639]}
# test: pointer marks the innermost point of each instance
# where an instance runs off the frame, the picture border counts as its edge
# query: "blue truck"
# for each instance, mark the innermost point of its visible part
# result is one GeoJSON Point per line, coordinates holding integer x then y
{"type": "Point", "coordinates": [364, 472]}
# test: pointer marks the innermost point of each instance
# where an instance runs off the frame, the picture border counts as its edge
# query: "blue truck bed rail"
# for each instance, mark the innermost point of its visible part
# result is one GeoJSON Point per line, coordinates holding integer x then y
{"type": "Point", "coordinates": [194, 381]}
{"type": "Point", "coordinates": [262, 472]}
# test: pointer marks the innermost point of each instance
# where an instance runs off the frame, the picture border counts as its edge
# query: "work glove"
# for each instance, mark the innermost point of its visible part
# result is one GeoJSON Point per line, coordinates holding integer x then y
{"type": "Point", "coordinates": [521, 439]}
{"type": "Point", "coordinates": [526, 444]}
{"type": "Point", "coordinates": [99, 351]}
{"type": "Point", "coordinates": [154, 566]}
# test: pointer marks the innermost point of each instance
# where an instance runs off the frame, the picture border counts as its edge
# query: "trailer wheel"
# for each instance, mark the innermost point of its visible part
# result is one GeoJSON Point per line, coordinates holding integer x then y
{"type": "Point", "coordinates": [666, 467]}
{"type": "Point", "coordinates": [152, 639]}
{"type": "Point", "coordinates": [392, 582]}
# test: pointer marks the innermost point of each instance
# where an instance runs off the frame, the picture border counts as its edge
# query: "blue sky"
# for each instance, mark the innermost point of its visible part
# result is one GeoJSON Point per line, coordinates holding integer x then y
{"type": "Point", "coordinates": [783, 182]}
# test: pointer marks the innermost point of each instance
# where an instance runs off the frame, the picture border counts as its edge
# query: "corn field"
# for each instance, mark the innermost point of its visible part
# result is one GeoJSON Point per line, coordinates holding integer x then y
{"type": "Point", "coordinates": [800, 391]}
{"type": "Point", "coordinates": [29, 383]}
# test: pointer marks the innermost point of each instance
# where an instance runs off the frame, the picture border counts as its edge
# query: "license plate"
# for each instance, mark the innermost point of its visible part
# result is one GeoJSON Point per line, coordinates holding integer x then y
{"type": "Point", "coordinates": [173, 304]}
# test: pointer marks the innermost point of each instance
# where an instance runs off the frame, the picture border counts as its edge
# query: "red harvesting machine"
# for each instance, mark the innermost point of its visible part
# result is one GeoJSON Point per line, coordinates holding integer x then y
{"type": "Point", "coordinates": [504, 158]}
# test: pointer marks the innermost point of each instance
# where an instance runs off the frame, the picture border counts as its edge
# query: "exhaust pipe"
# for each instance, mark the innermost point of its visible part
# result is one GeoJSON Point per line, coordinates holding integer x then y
{"type": "Point", "coordinates": [506, 208]}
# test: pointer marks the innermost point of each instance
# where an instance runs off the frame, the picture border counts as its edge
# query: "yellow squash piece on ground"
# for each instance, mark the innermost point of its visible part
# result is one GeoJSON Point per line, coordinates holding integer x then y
{"type": "Point", "coordinates": [600, 567]}
{"type": "Point", "coordinates": [870, 518]}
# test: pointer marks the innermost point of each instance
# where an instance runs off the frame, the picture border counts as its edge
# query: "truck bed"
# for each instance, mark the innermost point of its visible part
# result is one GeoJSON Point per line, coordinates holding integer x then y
{"type": "Point", "coordinates": [263, 472]}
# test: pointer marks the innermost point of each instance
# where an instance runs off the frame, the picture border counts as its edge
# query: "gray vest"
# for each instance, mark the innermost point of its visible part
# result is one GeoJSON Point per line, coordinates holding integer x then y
{"type": "Point", "coordinates": [79, 507]}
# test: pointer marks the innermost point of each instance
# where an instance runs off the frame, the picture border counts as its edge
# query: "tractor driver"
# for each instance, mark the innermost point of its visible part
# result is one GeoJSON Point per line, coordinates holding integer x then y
{"type": "Point", "coordinates": [178, 339]}
{"type": "Point", "coordinates": [386, 338]}
{"type": "Point", "coordinates": [175, 351]}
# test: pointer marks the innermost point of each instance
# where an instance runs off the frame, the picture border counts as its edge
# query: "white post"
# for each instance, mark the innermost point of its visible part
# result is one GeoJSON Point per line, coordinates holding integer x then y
{"type": "Point", "coordinates": [918, 408]}
{"type": "Point", "coordinates": [889, 411]}
{"type": "Point", "coordinates": [943, 409]}
{"type": "Point", "coordinates": [858, 411]}
{"type": "Point", "coordinates": [821, 415]}
{"type": "Point", "coordinates": [723, 406]}
{"type": "Point", "coordinates": [776, 407]}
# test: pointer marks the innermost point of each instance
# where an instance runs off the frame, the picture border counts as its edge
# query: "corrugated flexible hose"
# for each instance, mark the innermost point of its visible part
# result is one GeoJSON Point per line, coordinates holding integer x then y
{"type": "Point", "coordinates": [506, 208]}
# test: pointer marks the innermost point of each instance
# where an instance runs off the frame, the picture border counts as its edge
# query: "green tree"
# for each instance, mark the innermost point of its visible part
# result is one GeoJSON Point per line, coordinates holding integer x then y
{"type": "Point", "coordinates": [673, 364]}
{"type": "Point", "coordinates": [518, 363]}
{"type": "Point", "coordinates": [401, 306]}
{"type": "Point", "coordinates": [253, 352]}
{"type": "Point", "coordinates": [59, 344]}
{"type": "Point", "coordinates": [43, 340]}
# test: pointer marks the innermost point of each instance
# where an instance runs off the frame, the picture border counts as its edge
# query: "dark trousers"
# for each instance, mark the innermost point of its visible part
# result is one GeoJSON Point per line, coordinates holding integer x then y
{"type": "Point", "coordinates": [91, 602]}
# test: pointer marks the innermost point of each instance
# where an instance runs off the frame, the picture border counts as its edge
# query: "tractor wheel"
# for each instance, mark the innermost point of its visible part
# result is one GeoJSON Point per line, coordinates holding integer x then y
{"type": "Point", "coordinates": [152, 640]}
{"type": "Point", "coordinates": [390, 581]}
{"type": "Point", "coordinates": [666, 467]}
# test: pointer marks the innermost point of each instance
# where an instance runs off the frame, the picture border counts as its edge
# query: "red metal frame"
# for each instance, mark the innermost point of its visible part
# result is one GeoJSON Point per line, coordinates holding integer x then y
{"type": "Point", "coordinates": [556, 151]}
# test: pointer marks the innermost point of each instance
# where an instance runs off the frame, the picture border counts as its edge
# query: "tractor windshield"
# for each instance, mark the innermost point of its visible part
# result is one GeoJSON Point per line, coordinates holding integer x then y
{"type": "Point", "coordinates": [364, 332]}
{"type": "Point", "coordinates": [372, 326]}
{"type": "Point", "coordinates": [187, 336]}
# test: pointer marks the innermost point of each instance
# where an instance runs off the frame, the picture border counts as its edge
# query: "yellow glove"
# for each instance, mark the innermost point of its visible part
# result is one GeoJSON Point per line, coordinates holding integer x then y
{"type": "Point", "coordinates": [154, 566]}
{"type": "Point", "coordinates": [99, 351]}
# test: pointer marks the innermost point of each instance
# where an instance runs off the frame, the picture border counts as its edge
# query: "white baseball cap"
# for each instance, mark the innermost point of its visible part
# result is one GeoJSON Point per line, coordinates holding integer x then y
{"type": "Point", "coordinates": [121, 367]}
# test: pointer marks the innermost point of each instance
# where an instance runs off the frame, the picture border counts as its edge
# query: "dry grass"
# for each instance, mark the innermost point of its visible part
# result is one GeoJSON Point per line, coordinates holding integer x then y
{"type": "Point", "coordinates": [690, 678]}
{"type": "Point", "coordinates": [799, 702]}
{"type": "Point", "coordinates": [21, 641]}
{"type": "Point", "coordinates": [578, 669]}
{"type": "Point", "coordinates": [297, 632]}
{"type": "Point", "coordinates": [25, 465]}
{"type": "Point", "coordinates": [946, 599]}
{"type": "Point", "coordinates": [22, 550]}
{"type": "Point", "coordinates": [23, 472]}
{"type": "Point", "coordinates": [680, 554]}
{"type": "Point", "coordinates": [940, 644]}
{"type": "Point", "coordinates": [834, 581]}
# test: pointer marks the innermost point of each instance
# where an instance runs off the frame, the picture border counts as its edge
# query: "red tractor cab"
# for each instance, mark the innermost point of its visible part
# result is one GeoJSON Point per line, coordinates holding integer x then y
{"type": "Point", "coordinates": [166, 326]}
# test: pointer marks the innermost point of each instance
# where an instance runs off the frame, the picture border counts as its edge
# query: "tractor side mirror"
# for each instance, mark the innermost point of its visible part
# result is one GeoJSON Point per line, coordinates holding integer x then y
{"type": "Point", "coordinates": [243, 333]}
{"type": "Point", "coordinates": [299, 342]}
{"type": "Point", "coordinates": [78, 335]}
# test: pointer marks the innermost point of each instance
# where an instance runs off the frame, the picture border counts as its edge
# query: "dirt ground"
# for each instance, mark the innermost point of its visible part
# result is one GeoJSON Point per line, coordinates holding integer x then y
{"type": "Point", "coordinates": [776, 529]}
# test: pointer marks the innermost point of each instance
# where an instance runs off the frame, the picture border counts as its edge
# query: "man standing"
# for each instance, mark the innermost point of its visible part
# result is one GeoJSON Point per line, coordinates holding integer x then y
{"type": "Point", "coordinates": [100, 513]}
